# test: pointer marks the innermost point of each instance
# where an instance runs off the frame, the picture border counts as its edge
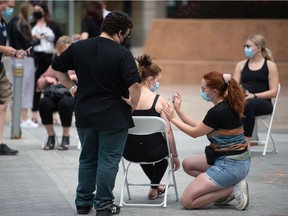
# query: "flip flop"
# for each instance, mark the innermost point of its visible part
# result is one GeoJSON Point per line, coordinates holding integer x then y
{"type": "Point", "coordinates": [160, 192]}
{"type": "Point", "coordinates": [153, 197]}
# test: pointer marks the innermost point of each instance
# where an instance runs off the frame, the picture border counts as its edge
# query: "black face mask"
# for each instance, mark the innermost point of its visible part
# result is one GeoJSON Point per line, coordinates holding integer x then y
{"type": "Point", "coordinates": [123, 42]}
{"type": "Point", "coordinates": [37, 15]}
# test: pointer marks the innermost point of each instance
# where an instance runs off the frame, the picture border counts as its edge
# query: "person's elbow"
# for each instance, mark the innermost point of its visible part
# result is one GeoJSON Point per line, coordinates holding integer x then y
{"type": "Point", "coordinates": [135, 92]}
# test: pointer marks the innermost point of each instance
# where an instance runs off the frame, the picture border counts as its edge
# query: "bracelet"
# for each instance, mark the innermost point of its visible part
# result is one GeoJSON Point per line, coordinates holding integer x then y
{"type": "Point", "coordinates": [174, 155]}
{"type": "Point", "coordinates": [74, 86]}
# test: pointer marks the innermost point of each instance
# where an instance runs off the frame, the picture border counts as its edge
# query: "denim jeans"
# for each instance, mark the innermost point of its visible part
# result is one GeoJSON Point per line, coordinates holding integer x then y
{"type": "Point", "coordinates": [98, 165]}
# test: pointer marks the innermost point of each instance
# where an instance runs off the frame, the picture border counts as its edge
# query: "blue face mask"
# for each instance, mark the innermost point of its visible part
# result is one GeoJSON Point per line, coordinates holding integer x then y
{"type": "Point", "coordinates": [205, 96]}
{"type": "Point", "coordinates": [248, 52]}
{"type": "Point", "coordinates": [8, 12]}
{"type": "Point", "coordinates": [30, 18]}
{"type": "Point", "coordinates": [155, 88]}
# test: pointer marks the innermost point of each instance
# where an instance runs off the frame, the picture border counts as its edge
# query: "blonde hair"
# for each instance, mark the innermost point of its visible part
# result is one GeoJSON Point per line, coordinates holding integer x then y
{"type": "Point", "coordinates": [26, 8]}
{"type": "Point", "coordinates": [62, 43]}
{"type": "Point", "coordinates": [259, 40]}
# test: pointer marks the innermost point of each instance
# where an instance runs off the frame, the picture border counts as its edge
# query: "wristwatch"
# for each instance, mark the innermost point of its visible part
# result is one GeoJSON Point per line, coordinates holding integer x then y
{"type": "Point", "coordinates": [255, 96]}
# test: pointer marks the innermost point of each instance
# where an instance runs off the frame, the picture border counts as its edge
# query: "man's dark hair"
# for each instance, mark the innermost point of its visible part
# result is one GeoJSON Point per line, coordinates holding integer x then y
{"type": "Point", "coordinates": [116, 21]}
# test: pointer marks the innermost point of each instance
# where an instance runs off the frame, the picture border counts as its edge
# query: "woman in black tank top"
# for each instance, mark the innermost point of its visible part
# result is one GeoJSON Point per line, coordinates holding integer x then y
{"type": "Point", "coordinates": [153, 147]}
{"type": "Point", "coordinates": [259, 78]}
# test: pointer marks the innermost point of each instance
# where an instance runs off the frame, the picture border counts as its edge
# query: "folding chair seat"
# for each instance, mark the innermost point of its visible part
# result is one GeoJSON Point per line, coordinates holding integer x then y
{"type": "Point", "coordinates": [268, 126]}
{"type": "Point", "coordinates": [146, 125]}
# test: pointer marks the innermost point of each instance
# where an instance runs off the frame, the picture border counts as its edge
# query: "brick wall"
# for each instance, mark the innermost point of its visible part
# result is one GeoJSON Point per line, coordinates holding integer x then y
{"type": "Point", "coordinates": [186, 49]}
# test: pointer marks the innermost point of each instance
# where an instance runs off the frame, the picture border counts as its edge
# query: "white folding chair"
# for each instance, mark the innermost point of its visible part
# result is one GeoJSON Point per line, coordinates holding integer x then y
{"type": "Point", "coordinates": [145, 125]}
{"type": "Point", "coordinates": [268, 126]}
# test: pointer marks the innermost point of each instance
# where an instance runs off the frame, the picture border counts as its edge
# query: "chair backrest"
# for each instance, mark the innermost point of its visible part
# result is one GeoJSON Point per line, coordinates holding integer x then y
{"type": "Point", "coordinates": [145, 125]}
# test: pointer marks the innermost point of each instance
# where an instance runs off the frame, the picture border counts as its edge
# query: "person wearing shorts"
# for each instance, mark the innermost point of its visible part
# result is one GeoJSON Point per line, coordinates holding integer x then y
{"type": "Point", "coordinates": [6, 10]}
{"type": "Point", "coordinates": [219, 173]}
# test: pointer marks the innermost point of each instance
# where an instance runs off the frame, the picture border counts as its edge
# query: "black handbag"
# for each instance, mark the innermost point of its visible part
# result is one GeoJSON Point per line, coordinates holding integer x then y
{"type": "Point", "coordinates": [210, 155]}
{"type": "Point", "coordinates": [58, 91]}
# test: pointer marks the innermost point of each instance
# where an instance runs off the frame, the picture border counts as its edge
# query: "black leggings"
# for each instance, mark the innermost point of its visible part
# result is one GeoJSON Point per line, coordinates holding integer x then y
{"type": "Point", "coordinates": [155, 171]}
{"type": "Point", "coordinates": [42, 61]}
{"type": "Point", "coordinates": [148, 148]}
{"type": "Point", "coordinates": [64, 106]}
{"type": "Point", "coordinates": [255, 107]}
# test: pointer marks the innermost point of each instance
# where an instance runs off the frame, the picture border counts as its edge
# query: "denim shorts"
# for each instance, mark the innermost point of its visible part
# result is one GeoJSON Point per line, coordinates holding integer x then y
{"type": "Point", "coordinates": [227, 172]}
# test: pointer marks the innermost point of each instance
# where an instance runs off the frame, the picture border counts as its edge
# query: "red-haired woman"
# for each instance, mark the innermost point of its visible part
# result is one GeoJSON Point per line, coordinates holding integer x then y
{"type": "Point", "coordinates": [218, 173]}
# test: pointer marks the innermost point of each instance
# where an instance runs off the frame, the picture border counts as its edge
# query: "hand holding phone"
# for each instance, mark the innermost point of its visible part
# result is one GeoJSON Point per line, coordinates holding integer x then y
{"type": "Point", "coordinates": [28, 50]}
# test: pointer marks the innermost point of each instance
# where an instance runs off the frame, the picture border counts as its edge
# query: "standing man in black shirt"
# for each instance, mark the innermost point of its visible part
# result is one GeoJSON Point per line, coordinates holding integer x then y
{"type": "Point", "coordinates": [6, 10]}
{"type": "Point", "coordinates": [107, 73]}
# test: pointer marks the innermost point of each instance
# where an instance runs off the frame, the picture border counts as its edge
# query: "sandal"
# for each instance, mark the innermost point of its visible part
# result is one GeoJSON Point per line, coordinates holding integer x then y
{"type": "Point", "coordinates": [161, 190]}
{"type": "Point", "coordinates": [50, 143]}
{"type": "Point", "coordinates": [152, 197]}
{"type": "Point", "coordinates": [64, 143]}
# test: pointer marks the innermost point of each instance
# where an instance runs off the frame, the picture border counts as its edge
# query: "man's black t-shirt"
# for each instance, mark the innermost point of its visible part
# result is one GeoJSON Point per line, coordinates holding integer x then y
{"type": "Point", "coordinates": [91, 27]}
{"type": "Point", "coordinates": [105, 70]}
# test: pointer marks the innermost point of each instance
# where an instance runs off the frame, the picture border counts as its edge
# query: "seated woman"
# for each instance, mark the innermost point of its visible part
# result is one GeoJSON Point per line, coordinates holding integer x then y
{"type": "Point", "coordinates": [52, 101]}
{"type": "Point", "coordinates": [259, 78]}
{"type": "Point", "coordinates": [152, 147]}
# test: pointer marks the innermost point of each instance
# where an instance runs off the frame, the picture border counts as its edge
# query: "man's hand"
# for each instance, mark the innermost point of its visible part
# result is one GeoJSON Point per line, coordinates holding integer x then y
{"type": "Point", "coordinates": [9, 51]}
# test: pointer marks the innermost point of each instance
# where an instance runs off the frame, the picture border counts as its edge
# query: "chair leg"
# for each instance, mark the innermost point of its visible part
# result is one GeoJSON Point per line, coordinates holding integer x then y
{"type": "Point", "coordinates": [175, 186]}
{"type": "Point", "coordinates": [274, 144]}
{"type": "Point", "coordinates": [125, 183]}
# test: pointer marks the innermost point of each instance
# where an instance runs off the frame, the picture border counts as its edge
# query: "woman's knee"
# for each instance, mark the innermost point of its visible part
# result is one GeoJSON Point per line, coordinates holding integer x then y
{"type": "Point", "coordinates": [46, 104]}
{"type": "Point", "coordinates": [3, 107]}
{"type": "Point", "coordinates": [194, 165]}
{"type": "Point", "coordinates": [186, 202]}
{"type": "Point", "coordinates": [186, 164]}
{"type": "Point", "coordinates": [66, 105]}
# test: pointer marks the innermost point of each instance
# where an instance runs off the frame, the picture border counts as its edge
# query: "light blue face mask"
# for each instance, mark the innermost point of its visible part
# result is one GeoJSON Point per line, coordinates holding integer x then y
{"type": "Point", "coordinates": [30, 18]}
{"type": "Point", "coordinates": [156, 87]}
{"type": "Point", "coordinates": [8, 12]}
{"type": "Point", "coordinates": [205, 96]}
{"type": "Point", "coordinates": [248, 52]}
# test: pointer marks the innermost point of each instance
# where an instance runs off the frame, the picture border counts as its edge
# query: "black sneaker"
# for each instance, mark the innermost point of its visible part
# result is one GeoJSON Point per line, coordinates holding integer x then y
{"type": "Point", "coordinates": [83, 209]}
{"type": "Point", "coordinates": [5, 150]}
{"type": "Point", "coordinates": [111, 209]}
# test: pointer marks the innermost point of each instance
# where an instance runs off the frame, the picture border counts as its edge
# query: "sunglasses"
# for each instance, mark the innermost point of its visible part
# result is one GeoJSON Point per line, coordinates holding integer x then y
{"type": "Point", "coordinates": [127, 36]}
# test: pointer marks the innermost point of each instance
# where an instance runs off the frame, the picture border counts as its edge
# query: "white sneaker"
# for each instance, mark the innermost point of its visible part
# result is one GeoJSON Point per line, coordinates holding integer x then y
{"type": "Point", "coordinates": [224, 201]}
{"type": "Point", "coordinates": [241, 194]}
{"type": "Point", "coordinates": [29, 124]}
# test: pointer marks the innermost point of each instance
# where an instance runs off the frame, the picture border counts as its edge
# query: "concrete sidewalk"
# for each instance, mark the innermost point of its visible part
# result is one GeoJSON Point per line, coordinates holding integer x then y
{"type": "Point", "coordinates": [38, 182]}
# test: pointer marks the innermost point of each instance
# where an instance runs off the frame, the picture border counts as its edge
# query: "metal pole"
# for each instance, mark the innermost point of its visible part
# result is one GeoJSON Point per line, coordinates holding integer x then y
{"type": "Point", "coordinates": [17, 100]}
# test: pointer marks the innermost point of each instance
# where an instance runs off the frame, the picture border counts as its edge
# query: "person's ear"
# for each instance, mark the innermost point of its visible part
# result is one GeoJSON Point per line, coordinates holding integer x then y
{"type": "Point", "coordinates": [150, 78]}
